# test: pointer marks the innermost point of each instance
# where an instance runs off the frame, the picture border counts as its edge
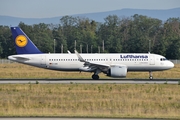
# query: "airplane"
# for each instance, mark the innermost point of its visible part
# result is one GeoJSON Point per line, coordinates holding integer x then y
{"type": "Point", "coordinates": [112, 64]}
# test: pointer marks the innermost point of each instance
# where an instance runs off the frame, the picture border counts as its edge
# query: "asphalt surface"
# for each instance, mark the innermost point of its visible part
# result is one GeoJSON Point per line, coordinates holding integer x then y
{"type": "Point", "coordinates": [90, 81]}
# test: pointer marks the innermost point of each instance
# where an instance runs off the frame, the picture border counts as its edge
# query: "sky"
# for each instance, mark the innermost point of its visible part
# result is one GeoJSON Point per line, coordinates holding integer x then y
{"type": "Point", "coordinates": [54, 8]}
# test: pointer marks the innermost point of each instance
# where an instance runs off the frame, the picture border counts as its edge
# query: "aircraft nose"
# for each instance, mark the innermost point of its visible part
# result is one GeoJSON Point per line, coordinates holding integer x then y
{"type": "Point", "coordinates": [171, 64]}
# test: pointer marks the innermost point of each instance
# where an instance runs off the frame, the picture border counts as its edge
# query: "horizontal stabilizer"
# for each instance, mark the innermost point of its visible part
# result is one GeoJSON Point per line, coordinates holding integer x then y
{"type": "Point", "coordinates": [18, 58]}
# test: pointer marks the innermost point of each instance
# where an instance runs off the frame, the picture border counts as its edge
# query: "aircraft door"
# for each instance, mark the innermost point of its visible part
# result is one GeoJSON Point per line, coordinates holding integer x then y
{"type": "Point", "coordinates": [152, 59]}
{"type": "Point", "coordinates": [43, 60]}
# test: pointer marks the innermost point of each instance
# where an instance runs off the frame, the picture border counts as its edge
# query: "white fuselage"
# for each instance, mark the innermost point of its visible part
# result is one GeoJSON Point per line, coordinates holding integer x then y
{"type": "Point", "coordinates": [70, 62]}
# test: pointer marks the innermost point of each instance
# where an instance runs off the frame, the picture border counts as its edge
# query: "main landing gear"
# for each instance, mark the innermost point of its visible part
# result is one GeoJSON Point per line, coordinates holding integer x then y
{"type": "Point", "coordinates": [150, 75]}
{"type": "Point", "coordinates": [95, 76]}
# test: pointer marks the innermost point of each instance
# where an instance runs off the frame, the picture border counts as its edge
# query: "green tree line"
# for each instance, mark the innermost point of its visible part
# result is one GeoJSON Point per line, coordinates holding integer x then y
{"type": "Point", "coordinates": [135, 34]}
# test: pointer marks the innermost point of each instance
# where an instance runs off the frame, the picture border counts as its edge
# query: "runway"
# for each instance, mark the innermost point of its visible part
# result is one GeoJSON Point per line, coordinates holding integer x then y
{"type": "Point", "coordinates": [90, 81]}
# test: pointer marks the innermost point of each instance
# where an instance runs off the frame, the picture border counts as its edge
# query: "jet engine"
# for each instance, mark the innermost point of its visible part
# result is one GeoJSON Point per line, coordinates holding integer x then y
{"type": "Point", "coordinates": [117, 71]}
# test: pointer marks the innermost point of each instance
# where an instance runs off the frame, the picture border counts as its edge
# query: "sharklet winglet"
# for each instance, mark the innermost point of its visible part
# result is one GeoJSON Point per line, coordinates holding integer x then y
{"type": "Point", "coordinates": [79, 56]}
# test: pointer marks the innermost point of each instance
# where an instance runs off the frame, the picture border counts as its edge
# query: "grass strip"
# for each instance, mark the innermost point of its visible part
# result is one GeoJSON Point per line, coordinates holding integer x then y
{"type": "Point", "coordinates": [90, 100]}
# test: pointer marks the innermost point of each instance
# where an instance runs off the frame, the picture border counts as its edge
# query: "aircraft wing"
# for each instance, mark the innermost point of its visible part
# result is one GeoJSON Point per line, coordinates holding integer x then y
{"type": "Point", "coordinates": [96, 64]}
{"type": "Point", "coordinates": [91, 66]}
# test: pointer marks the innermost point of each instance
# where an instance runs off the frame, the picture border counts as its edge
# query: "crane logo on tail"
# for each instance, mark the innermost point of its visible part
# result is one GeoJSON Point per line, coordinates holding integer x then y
{"type": "Point", "coordinates": [21, 41]}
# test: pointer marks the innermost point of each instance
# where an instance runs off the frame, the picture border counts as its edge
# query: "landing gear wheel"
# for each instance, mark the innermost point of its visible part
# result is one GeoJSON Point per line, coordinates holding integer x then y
{"type": "Point", "coordinates": [95, 77]}
{"type": "Point", "coordinates": [150, 75]}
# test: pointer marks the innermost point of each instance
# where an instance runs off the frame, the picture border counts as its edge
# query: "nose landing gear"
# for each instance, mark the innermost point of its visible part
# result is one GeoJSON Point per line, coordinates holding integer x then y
{"type": "Point", "coordinates": [150, 75]}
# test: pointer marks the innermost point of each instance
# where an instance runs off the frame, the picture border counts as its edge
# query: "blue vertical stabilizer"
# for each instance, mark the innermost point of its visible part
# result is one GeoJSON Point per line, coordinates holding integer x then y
{"type": "Point", "coordinates": [22, 42]}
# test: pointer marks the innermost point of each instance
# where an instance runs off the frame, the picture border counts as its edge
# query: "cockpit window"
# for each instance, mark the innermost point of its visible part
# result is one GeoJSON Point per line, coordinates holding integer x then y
{"type": "Point", "coordinates": [163, 59]}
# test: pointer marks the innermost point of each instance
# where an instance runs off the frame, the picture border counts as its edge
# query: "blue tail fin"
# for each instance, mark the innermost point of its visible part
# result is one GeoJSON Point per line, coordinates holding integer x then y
{"type": "Point", "coordinates": [22, 42]}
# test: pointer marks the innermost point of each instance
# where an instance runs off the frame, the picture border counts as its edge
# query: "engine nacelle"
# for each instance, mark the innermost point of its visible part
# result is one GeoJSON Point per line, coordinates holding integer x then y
{"type": "Point", "coordinates": [117, 71]}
